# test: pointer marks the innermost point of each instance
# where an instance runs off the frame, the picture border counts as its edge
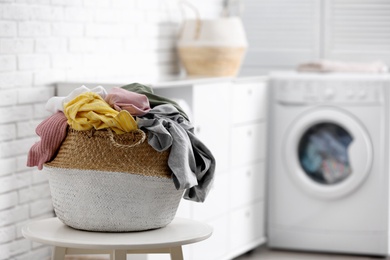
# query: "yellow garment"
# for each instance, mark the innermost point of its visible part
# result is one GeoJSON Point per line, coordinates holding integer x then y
{"type": "Point", "coordinates": [89, 110]}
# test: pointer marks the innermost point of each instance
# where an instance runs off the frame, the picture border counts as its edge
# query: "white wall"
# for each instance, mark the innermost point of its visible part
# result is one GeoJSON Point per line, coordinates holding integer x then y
{"type": "Point", "coordinates": [47, 41]}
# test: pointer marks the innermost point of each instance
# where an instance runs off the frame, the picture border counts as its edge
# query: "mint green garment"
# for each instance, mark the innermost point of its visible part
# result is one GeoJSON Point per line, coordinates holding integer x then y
{"type": "Point", "coordinates": [154, 100]}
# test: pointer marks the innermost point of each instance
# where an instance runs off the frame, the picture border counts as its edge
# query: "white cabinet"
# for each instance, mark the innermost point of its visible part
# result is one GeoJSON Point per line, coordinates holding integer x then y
{"type": "Point", "coordinates": [249, 181]}
{"type": "Point", "coordinates": [247, 166]}
{"type": "Point", "coordinates": [229, 116]}
{"type": "Point", "coordinates": [285, 33]}
{"type": "Point", "coordinates": [215, 247]}
{"type": "Point", "coordinates": [246, 227]}
{"type": "Point", "coordinates": [211, 116]}
{"type": "Point", "coordinates": [247, 143]}
{"type": "Point", "coordinates": [248, 101]}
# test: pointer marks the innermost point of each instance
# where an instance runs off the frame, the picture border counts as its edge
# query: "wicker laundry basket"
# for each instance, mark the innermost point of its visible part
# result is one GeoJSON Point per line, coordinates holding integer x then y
{"type": "Point", "coordinates": [101, 181]}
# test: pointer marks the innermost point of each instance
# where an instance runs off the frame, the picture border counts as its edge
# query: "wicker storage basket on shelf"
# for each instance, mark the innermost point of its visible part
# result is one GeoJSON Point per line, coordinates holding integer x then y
{"type": "Point", "coordinates": [211, 61]}
{"type": "Point", "coordinates": [101, 181]}
{"type": "Point", "coordinates": [211, 47]}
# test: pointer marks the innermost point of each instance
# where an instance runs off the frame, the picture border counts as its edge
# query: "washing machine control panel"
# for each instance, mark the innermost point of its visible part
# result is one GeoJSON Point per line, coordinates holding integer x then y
{"type": "Point", "coordinates": [332, 91]}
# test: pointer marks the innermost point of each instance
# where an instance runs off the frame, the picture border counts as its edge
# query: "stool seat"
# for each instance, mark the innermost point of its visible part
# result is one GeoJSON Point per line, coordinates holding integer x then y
{"type": "Point", "coordinates": [68, 241]}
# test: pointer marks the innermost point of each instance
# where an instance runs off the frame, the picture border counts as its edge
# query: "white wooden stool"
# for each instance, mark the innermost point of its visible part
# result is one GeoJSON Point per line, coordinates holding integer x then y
{"type": "Point", "coordinates": [69, 241]}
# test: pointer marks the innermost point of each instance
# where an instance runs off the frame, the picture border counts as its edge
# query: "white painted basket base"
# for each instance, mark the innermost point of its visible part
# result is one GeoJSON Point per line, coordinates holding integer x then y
{"type": "Point", "coordinates": [112, 201]}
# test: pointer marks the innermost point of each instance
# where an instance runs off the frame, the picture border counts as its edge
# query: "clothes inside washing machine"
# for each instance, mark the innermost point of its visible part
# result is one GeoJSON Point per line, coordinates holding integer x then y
{"type": "Point", "coordinates": [323, 153]}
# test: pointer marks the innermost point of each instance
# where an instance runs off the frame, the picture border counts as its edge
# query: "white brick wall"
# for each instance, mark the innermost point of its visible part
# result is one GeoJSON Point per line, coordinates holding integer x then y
{"type": "Point", "coordinates": [47, 41]}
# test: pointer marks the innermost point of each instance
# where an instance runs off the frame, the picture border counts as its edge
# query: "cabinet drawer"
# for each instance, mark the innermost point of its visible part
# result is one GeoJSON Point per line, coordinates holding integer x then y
{"type": "Point", "coordinates": [216, 202]}
{"type": "Point", "coordinates": [250, 182]}
{"type": "Point", "coordinates": [212, 120]}
{"type": "Point", "coordinates": [246, 225]}
{"type": "Point", "coordinates": [184, 209]}
{"type": "Point", "coordinates": [248, 143]}
{"type": "Point", "coordinates": [217, 142]}
{"type": "Point", "coordinates": [249, 101]}
{"type": "Point", "coordinates": [216, 246]}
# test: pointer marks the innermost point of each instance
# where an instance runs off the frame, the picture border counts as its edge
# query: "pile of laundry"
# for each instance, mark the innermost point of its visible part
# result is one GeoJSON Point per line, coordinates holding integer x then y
{"type": "Point", "coordinates": [125, 109]}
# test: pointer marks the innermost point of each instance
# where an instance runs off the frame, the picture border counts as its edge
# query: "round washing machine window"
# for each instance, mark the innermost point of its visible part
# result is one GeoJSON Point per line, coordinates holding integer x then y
{"type": "Point", "coordinates": [328, 153]}
{"type": "Point", "coordinates": [323, 153]}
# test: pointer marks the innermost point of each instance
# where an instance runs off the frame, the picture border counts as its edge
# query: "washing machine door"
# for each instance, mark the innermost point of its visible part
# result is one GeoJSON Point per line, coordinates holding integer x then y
{"type": "Point", "coordinates": [328, 153]}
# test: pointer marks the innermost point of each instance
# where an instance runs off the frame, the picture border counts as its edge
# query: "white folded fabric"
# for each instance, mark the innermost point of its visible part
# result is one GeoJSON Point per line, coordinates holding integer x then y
{"type": "Point", "coordinates": [341, 66]}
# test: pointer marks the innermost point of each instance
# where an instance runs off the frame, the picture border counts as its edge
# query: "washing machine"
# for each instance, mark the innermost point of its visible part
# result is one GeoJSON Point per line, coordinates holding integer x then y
{"type": "Point", "coordinates": [328, 167]}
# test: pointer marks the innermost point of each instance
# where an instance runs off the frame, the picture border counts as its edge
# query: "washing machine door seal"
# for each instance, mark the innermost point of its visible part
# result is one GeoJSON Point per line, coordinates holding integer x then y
{"type": "Point", "coordinates": [359, 151]}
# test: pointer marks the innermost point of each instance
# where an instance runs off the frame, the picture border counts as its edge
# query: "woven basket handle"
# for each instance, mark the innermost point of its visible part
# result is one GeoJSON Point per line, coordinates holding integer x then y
{"type": "Point", "coordinates": [197, 14]}
{"type": "Point", "coordinates": [116, 144]}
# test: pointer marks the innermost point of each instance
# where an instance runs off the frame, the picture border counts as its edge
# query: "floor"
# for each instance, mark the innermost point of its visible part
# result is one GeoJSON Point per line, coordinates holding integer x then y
{"type": "Point", "coordinates": [263, 253]}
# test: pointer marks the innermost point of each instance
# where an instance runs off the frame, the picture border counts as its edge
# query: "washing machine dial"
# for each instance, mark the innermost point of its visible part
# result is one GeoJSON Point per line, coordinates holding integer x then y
{"type": "Point", "coordinates": [329, 93]}
{"type": "Point", "coordinates": [350, 94]}
{"type": "Point", "coordinates": [362, 94]}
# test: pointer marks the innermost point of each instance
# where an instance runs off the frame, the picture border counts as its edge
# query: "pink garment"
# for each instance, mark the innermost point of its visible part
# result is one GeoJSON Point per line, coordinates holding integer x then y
{"type": "Point", "coordinates": [122, 99]}
{"type": "Point", "coordinates": [52, 131]}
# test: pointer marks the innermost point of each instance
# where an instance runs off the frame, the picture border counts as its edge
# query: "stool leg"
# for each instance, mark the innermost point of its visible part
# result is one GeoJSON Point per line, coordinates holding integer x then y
{"type": "Point", "coordinates": [176, 253]}
{"type": "Point", "coordinates": [58, 253]}
{"type": "Point", "coordinates": [120, 254]}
